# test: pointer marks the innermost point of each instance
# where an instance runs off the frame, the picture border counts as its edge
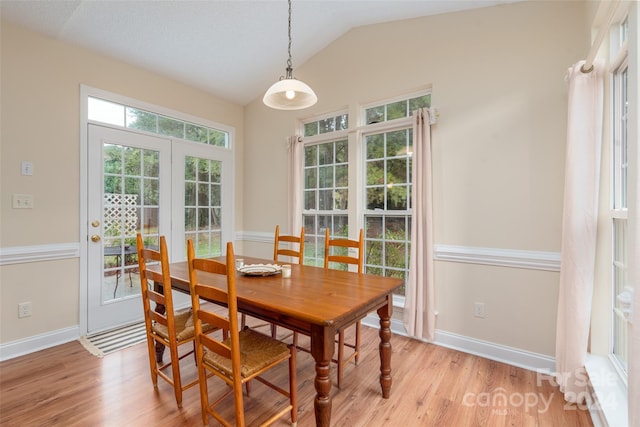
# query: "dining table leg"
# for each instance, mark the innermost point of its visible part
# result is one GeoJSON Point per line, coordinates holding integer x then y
{"type": "Point", "coordinates": [384, 313]}
{"type": "Point", "coordinates": [322, 347]}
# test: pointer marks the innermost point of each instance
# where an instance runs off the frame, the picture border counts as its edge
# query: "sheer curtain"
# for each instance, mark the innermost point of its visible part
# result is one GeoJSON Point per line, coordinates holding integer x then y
{"type": "Point", "coordinates": [296, 167]}
{"type": "Point", "coordinates": [579, 223]}
{"type": "Point", "coordinates": [419, 309]}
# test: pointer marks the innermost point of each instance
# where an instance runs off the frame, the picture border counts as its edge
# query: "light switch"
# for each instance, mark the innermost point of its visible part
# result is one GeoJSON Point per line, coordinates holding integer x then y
{"type": "Point", "coordinates": [22, 201]}
{"type": "Point", "coordinates": [27, 168]}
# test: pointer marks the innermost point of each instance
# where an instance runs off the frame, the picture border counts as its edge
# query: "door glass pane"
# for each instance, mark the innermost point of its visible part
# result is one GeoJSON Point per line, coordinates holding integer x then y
{"type": "Point", "coordinates": [130, 205]}
{"type": "Point", "coordinates": [203, 205]}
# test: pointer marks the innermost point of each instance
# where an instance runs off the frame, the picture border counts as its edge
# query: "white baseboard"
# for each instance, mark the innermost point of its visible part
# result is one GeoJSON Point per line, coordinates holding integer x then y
{"type": "Point", "coordinates": [38, 342]}
{"type": "Point", "coordinates": [509, 355]}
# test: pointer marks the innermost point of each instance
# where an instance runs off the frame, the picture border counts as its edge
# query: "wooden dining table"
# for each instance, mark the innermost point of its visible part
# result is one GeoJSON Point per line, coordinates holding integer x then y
{"type": "Point", "coordinates": [316, 302]}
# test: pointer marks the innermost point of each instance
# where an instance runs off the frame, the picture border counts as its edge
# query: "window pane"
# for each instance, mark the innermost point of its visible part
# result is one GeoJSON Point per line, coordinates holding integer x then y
{"type": "Point", "coordinates": [189, 194]}
{"type": "Point", "coordinates": [151, 192]}
{"type": "Point", "coordinates": [169, 126]}
{"type": "Point", "coordinates": [325, 154]}
{"type": "Point", "coordinates": [342, 175]}
{"type": "Point", "coordinates": [341, 199]}
{"type": "Point", "coordinates": [143, 120]}
{"type": "Point", "coordinates": [310, 199]}
{"type": "Point", "coordinates": [375, 146]}
{"type": "Point", "coordinates": [105, 112]}
{"type": "Point", "coordinates": [419, 102]}
{"type": "Point", "coordinates": [375, 173]}
{"type": "Point", "coordinates": [311, 155]}
{"type": "Point", "coordinates": [373, 227]}
{"type": "Point", "coordinates": [311, 178]}
{"type": "Point", "coordinates": [196, 133]}
{"type": "Point", "coordinates": [325, 200]}
{"type": "Point", "coordinates": [327, 125]}
{"type": "Point", "coordinates": [397, 143]}
{"type": "Point", "coordinates": [397, 110]}
{"type": "Point", "coordinates": [375, 198]}
{"type": "Point", "coordinates": [375, 114]}
{"type": "Point", "coordinates": [216, 195]}
{"type": "Point", "coordinates": [397, 198]}
{"type": "Point", "coordinates": [342, 152]}
{"type": "Point", "coordinates": [325, 177]}
{"type": "Point", "coordinates": [397, 171]}
{"type": "Point", "coordinates": [218, 138]}
{"type": "Point", "coordinates": [151, 163]}
{"type": "Point", "coordinates": [311, 129]}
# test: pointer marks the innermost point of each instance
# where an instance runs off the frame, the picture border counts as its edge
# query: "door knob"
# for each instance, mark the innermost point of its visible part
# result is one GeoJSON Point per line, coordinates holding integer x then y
{"type": "Point", "coordinates": [95, 223]}
{"type": "Point", "coordinates": [95, 238]}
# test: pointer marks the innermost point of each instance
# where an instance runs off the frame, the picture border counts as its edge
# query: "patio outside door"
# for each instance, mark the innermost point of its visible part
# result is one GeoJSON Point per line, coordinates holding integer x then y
{"type": "Point", "coordinates": [129, 193]}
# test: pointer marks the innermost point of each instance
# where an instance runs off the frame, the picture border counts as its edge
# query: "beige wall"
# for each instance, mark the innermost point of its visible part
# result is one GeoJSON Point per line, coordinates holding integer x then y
{"type": "Point", "coordinates": [497, 78]}
{"type": "Point", "coordinates": [40, 103]}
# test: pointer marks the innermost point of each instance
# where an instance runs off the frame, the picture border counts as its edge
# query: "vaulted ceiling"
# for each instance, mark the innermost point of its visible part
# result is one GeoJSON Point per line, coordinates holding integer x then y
{"type": "Point", "coordinates": [233, 49]}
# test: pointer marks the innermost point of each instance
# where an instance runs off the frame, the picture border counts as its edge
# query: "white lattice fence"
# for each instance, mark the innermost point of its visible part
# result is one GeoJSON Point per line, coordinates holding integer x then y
{"type": "Point", "coordinates": [120, 216]}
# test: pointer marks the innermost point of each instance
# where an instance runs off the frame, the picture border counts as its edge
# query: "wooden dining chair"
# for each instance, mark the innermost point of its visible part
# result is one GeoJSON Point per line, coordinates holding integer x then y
{"type": "Point", "coordinates": [283, 246]}
{"type": "Point", "coordinates": [336, 250]}
{"type": "Point", "coordinates": [164, 327]}
{"type": "Point", "coordinates": [289, 248]}
{"type": "Point", "coordinates": [245, 355]}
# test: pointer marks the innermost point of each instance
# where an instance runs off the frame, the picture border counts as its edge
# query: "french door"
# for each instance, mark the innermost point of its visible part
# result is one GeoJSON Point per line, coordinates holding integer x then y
{"type": "Point", "coordinates": [140, 183]}
{"type": "Point", "coordinates": [129, 192]}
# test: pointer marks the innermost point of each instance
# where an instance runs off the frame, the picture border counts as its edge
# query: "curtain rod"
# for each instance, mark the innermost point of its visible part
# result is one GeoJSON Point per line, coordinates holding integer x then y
{"type": "Point", "coordinates": [587, 67]}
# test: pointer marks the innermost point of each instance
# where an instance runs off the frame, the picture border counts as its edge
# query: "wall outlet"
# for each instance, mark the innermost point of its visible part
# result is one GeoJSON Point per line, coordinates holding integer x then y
{"type": "Point", "coordinates": [22, 201]}
{"type": "Point", "coordinates": [24, 309]}
{"type": "Point", "coordinates": [478, 310]}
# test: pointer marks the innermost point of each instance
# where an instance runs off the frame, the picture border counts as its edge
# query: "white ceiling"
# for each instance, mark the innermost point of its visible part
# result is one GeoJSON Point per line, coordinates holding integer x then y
{"type": "Point", "coordinates": [234, 49]}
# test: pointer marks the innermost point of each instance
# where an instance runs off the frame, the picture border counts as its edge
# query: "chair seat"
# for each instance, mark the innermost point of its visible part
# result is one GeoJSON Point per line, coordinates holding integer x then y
{"type": "Point", "coordinates": [183, 321]}
{"type": "Point", "coordinates": [256, 352]}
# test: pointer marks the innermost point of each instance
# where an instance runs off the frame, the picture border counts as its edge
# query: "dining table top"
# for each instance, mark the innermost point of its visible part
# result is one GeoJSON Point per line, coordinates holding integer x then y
{"type": "Point", "coordinates": [312, 295]}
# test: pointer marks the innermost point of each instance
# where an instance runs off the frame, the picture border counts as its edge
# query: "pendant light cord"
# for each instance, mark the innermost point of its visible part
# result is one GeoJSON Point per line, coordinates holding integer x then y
{"type": "Point", "coordinates": [289, 63]}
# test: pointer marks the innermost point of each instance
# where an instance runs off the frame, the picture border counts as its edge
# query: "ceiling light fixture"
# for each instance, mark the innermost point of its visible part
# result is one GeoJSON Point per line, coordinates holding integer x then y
{"type": "Point", "coordinates": [288, 93]}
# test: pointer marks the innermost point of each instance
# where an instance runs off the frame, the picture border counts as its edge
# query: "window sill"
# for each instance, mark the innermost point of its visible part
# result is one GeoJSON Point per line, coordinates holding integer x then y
{"type": "Point", "coordinates": [610, 407]}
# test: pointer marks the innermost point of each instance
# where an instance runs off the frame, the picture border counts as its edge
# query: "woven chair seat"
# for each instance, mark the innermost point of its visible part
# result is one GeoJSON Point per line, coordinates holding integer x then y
{"type": "Point", "coordinates": [256, 352]}
{"type": "Point", "coordinates": [183, 321]}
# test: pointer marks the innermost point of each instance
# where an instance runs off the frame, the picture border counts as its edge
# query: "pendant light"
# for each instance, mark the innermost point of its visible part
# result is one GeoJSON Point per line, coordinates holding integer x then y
{"type": "Point", "coordinates": [288, 93]}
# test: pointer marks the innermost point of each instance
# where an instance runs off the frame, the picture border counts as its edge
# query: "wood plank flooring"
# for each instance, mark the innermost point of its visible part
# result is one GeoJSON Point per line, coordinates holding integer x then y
{"type": "Point", "coordinates": [432, 386]}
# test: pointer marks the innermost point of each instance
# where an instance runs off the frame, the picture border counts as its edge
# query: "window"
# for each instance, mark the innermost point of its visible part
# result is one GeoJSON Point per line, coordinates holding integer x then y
{"type": "Point", "coordinates": [621, 298]}
{"type": "Point", "coordinates": [135, 118]}
{"type": "Point", "coordinates": [326, 184]}
{"type": "Point", "coordinates": [379, 199]}
{"type": "Point", "coordinates": [203, 205]}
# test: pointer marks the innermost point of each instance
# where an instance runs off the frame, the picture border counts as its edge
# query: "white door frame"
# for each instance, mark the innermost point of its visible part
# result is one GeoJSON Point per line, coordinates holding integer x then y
{"type": "Point", "coordinates": [229, 185]}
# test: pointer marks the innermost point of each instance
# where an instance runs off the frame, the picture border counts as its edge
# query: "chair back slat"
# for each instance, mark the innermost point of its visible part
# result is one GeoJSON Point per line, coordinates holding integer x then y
{"type": "Point", "coordinates": [216, 346]}
{"type": "Point", "coordinates": [330, 257]}
{"type": "Point", "coordinates": [288, 251]}
{"type": "Point", "coordinates": [158, 318]}
{"type": "Point", "coordinates": [213, 318]}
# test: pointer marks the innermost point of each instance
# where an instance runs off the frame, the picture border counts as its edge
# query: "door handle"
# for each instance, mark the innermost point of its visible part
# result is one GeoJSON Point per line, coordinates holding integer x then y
{"type": "Point", "coordinates": [95, 223]}
{"type": "Point", "coordinates": [95, 238]}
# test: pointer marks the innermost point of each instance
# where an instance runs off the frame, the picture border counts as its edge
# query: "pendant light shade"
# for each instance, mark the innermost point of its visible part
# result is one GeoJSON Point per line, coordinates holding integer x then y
{"type": "Point", "coordinates": [288, 93]}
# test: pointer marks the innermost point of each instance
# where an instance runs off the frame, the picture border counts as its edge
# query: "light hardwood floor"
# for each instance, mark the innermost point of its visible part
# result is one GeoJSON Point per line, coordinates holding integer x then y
{"type": "Point", "coordinates": [432, 386]}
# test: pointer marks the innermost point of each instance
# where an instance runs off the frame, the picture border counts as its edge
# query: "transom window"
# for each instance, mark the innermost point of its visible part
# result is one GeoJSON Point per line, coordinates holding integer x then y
{"type": "Point", "coordinates": [134, 118]}
{"type": "Point", "coordinates": [396, 109]}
